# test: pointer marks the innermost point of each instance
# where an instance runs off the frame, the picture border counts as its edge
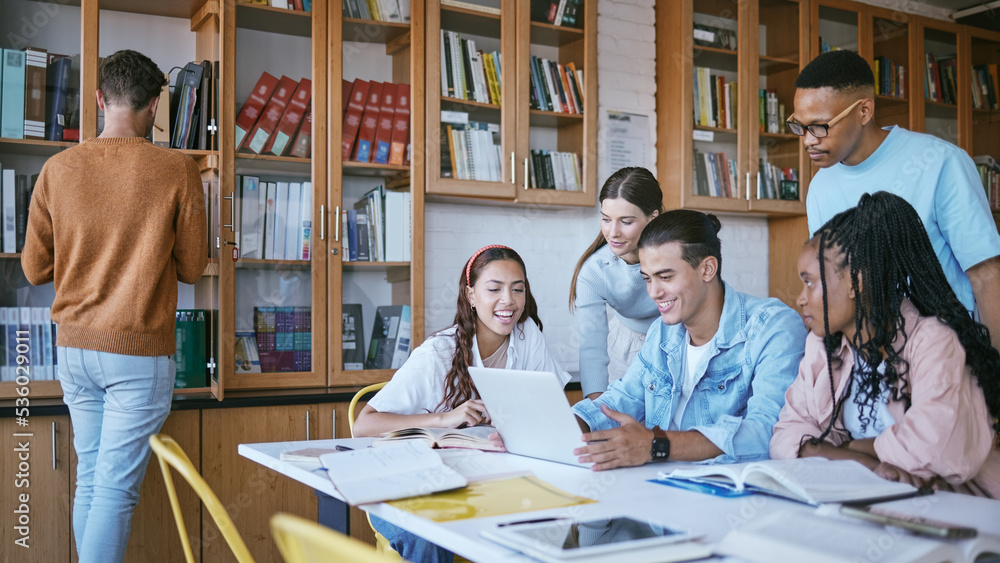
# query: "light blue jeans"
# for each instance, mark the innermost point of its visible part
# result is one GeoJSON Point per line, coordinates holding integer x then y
{"type": "Point", "coordinates": [115, 404]}
{"type": "Point", "coordinates": [410, 546]}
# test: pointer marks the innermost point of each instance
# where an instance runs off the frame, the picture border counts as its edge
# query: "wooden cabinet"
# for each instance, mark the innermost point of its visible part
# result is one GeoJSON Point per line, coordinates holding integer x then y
{"type": "Point", "coordinates": [37, 464]}
{"type": "Point", "coordinates": [730, 157]}
{"type": "Point", "coordinates": [518, 131]}
{"type": "Point", "coordinates": [982, 47]}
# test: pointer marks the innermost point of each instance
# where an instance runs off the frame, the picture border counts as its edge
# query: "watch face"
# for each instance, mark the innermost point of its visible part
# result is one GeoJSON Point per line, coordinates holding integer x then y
{"type": "Point", "coordinates": [661, 448]}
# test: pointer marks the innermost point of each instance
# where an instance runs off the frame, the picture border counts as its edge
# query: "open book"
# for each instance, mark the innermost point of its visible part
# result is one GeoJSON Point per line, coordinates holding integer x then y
{"type": "Point", "coordinates": [380, 474]}
{"type": "Point", "coordinates": [798, 536]}
{"type": "Point", "coordinates": [475, 437]}
{"type": "Point", "coordinates": [813, 480]}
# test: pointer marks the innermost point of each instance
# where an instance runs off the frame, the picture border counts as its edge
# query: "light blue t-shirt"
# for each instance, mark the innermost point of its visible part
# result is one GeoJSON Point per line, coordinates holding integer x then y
{"type": "Point", "coordinates": [938, 179]}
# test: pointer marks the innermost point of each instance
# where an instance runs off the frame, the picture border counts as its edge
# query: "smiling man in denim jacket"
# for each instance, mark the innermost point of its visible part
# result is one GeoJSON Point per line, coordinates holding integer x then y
{"type": "Point", "coordinates": [711, 378]}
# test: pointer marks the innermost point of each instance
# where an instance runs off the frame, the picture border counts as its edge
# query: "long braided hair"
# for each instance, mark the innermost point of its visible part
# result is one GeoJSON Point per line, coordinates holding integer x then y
{"type": "Point", "coordinates": [884, 243]}
{"type": "Point", "coordinates": [458, 386]}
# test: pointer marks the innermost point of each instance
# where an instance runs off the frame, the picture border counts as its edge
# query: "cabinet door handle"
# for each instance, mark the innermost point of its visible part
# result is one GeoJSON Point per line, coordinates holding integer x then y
{"type": "Point", "coordinates": [53, 445]}
{"type": "Point", "coordinates": [748, 186]}
{"type": "Point", "coordinates": [232, 212]}
{"type": "Point", "coordinates": [758, 185]}
{"type": "Point", "coordinates": [525, 173]}
{"type": "Point", "coordinates": [307, 425]}
{"type": "Point", "coordinates": [513, 181]}
{"type": "Point", "coordinates": [322, 222]}
{"type": "Point", "coordinates": [333, 423]}
{"type": "Point", "coordinates": [336, 230]}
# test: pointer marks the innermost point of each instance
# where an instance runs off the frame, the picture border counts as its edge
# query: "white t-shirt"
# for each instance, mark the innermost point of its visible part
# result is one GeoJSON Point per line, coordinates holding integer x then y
{"type": "Point", "coordinates": [418, 386]}
{"type": "Point", "coordinates": [877, 414]}
{"type": "Point", "coordinates": [692, 368]}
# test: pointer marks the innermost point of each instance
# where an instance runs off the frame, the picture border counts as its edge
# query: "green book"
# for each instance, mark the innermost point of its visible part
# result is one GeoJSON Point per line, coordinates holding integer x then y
{"type": "Point", "coordinates": [12, 113]}
{"type": "Point", "coordinates": [192, 349]}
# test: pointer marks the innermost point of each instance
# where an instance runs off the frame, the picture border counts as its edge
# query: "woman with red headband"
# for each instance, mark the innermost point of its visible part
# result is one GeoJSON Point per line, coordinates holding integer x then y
{"type": "Point", "coordinates": [496, 325]}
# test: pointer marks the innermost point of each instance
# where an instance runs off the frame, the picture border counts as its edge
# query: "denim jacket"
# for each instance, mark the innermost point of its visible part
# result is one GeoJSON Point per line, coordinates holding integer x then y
{"type": "Point", "coordinates": [753, 358]}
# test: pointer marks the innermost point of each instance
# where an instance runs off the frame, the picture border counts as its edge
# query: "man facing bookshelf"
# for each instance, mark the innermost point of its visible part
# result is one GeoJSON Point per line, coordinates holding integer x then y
{"type": "Point", "coordinates": [115, 222]}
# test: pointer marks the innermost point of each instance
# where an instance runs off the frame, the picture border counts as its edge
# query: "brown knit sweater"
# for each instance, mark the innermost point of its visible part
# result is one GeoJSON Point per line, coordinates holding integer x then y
{"type": "Point", "coordinates": [115, 223]}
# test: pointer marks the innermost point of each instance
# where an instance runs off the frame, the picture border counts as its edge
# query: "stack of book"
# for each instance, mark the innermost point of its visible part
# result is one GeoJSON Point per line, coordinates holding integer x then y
{"type": "Point", "coordinates": [715, 100]}
{"type": "Point", "coordinates": [553, 170]}
{"type": "Point", "coordinates": [989, 173]}
{"type": "Point", "coordinates": [714, 175]}
{"type": "Point", "coordinates": [778, 183]}
{"type": "Point", "coordinates": [890, 78]}
{"type": "Point", "coordinates": [566, 13]}
{"type": "Point", "coordinates": [941, 78]}
{"type": "Point", "coordinates": [771, 114]}
{"type": "Point", "coordinates": [555, 87]}
{"type": "Point", "coordinates": [379, 227]}
{"type": "Point", "coordinates": [715, 37]}
{"type": "Point", "coordinates": [40, 95]}
{"type": "Point", "coordinates": [985, 88]}
{"type": "Point", "coordinates": [295, 5]}
{"type": "Point", "coordinates": [33, 329]}
{"type": "Point", "coordinates": [397, 11]}
{"type": "Point", "coordinates": [376, 119]}
{"type": "Point", "coordinates": [468, 73]}
{"type": "Point", "coordinates": [15, 197]}
{"type": "Point", "coordinates": [273, 219]}
{"type": "Point", "coordinates": [276, 118]}
{"type": "Point", "coordinates": [283, 336]}
{"type": "Point", "coordinates": [472, 147]}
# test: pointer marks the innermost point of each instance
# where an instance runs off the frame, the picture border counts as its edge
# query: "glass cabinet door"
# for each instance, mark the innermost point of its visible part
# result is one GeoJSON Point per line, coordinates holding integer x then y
{"type": "Point", "coordinates": [939, 51]}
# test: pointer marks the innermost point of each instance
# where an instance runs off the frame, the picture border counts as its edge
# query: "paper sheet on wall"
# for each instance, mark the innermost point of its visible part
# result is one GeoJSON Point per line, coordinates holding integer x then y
{"type": "Point", "coordinates": [627, 141]}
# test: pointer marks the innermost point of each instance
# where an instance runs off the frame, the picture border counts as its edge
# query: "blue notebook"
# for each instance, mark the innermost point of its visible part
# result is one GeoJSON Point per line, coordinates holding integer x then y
{"type": "Point", "coordinates": [12, 114]}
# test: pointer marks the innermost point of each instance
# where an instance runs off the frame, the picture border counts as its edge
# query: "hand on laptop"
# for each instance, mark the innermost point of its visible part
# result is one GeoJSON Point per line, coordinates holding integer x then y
{"type": "Point", "coordinates": [470, 413]}
{"type": "Point", "coordinates": [625, 446]}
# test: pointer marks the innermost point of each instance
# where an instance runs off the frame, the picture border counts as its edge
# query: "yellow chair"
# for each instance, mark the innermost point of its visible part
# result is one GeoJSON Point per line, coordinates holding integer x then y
{"type": "Point", "coordinates": [170, 455]}
{"type": "Point", "coordinates": [381, 544]}
{"type": "Point", "coordinates": [302, 541]}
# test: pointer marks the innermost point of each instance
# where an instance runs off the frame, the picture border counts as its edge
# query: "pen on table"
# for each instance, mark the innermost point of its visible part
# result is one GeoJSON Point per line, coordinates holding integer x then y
{"type": "Point", "coordinates": [341, 448]}
{"type": "Point", "coordinates": [917, 493]}
{"type": "Point", "coordinates": [535, 521]}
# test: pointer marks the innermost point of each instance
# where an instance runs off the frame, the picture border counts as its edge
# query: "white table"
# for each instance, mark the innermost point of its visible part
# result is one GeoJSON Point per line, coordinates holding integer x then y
{"type": "Point", "coordinates": [621, 491]}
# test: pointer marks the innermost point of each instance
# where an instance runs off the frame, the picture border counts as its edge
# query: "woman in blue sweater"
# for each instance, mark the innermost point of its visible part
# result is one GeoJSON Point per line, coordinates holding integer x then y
{"type": "Point", "coordinates": [608, 275]}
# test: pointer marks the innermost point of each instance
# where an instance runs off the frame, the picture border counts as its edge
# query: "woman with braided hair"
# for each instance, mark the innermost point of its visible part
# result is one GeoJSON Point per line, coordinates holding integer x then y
{"type": "Point", "coordinates": [496, 326]}
{"type": "Point", "coordinates": [896, 374]}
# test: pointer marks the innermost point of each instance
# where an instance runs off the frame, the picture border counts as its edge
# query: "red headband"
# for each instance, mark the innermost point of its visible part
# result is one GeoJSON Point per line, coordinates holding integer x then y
{"type": "Point", "coordinates": [468, 267]}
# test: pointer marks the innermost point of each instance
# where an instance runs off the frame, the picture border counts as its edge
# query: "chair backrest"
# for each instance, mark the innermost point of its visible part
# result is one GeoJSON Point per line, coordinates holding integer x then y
{"type": "Point", "coordinates": [357, 397]}
{"type": "Point", "coordinates": [170, 454]}
{"type": "Point", "coordinates": [302, 541]}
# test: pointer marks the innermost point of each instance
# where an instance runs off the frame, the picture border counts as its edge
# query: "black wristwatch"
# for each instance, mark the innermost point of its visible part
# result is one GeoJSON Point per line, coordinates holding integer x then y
{"type": "Point", "coordinates": [661, 445]}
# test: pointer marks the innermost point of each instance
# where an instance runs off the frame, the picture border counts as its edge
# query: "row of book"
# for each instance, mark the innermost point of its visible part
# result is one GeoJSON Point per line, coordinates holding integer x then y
{"type": "Point", "coordinates": [379, 227]}
{"type": "Point", "coordinates": [985, 87]}
{"type": "Point", "coordinates": [715, 100]}
{"type": "Point", "coordinates": [468, 73]}
{"type": "Point", "coordinates": [39, 94]}
{"type": "Point", "coordinates": [989, 173]}
{"type": "Point", "coordinates": [566, 13]}
{"type": "Point", "coordinates": [890, 78]}
{"type": "Point", "coordinates": [554, 170]}
{"type": "Point", "coordinates": [715, 175]}
{"type": "Point", "coordinates": [294, 5]}
{"type": "Point", "coordinates": [27, 332]}
{"type": "Point", "coordinates": [187, 115]}
{"type": "Point", "coordinates": [771, 114]}
{"type": "Point", "coordinates": [377, 10]}
{"type": "Point", "coordinates": [283, 339]}
{"type": "Point", "coordinates": [273, 219]}
{"type": "Point", "coordinates": [777, 182]}
{"type": "Point", "coordinates": [195, 347]}
{"type": "Point", "coordinates": [941, 78]}
{"type": "Point", "coordinates": [389, 346]}
{"type": "Point", "coordinates": [15, 198]}
{"type": "Point", "coordinates": [472, 149]}
{"type": "Point", "coordinates": [376, 118]}
{"type": "Point", "coordinates": [555, 87]}
{"type": "Point", "coordinates": [276, 118]}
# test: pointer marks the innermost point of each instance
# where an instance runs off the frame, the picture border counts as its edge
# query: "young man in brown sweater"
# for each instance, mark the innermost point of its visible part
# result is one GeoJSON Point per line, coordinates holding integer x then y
{"type": "Point", "coordinates": [115, 222]}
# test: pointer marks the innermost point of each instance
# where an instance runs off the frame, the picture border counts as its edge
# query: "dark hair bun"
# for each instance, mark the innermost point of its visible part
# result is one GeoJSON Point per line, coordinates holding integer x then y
{"type": "Point", "coordinates": [715, 222]}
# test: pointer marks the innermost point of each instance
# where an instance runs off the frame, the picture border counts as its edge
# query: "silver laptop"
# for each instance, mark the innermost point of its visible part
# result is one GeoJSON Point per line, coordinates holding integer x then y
{"type": "Point", "coordinates": [531, 413]}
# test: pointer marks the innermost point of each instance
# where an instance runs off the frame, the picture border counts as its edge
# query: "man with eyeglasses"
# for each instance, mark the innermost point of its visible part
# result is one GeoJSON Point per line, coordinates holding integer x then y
{"type": "Point", "coordinates": [835, 116]}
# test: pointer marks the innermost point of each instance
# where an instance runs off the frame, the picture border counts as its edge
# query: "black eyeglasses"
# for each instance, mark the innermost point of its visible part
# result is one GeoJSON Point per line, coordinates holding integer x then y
{"type": "Point", "coordinates": [818, 130]}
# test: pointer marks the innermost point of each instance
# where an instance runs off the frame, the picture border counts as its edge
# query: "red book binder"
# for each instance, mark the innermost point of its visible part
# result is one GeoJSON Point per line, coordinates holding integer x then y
{"type": "Point", "coordinates": [383, 134]}
{"type": "Point", "coordinates": [400, 126]}
{"type": "Point", "coordinates": [254, 106]}
{"type": "Point", "coordinates": [284, 133]}
{"type": "Point", "coordinates": [369, 122]}
{"type": "Point", "coordinates": [352, 119]}
{"type": "Point", "coordinates": [260, 133]}
{"type": "Point", "coordinates": [302, 146]}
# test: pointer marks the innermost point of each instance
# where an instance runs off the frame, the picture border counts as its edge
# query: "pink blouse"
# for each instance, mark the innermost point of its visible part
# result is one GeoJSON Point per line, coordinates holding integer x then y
{"type": "Point", "coordinates": [947, 431]}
